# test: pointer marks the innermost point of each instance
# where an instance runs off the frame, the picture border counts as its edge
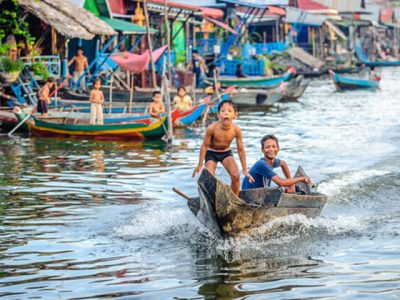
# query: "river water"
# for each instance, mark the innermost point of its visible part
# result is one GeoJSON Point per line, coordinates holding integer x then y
{"type": "Point", "coordinates": [93, 220]}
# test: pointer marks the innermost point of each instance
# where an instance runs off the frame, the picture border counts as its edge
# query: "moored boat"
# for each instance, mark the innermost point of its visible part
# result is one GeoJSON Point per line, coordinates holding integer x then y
{"type": "Point", "coordinates": [71, 127]}
{"type": "Point", "coordinates": [260, 81]}
{"type": "Point", "coordinates": [345, 83]}
{"type": "Point", "coordinates": [378, 63]}
{"type": "Point", "coordinates": [226, 214]}
{"type": "Point", "coordinates": [256, 98]}
{"type": "Point", "coordinates": [295, 89]}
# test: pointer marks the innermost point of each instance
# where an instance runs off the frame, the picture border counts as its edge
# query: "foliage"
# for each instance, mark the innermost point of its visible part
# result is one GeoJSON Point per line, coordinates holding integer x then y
{"type": "Point", "coordinates": [41, 70]}
{"type": "Point", "coordinates": [10, 66]}
{"type": "Point", "coordinates": [11, 23]}
{"type": "Point", "coordinates": [4, 48]}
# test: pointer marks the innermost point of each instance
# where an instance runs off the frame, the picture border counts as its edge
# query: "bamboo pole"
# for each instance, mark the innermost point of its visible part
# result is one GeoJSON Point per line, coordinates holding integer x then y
{"type": "Point", "coordinates": [131, 94]}
{"type": "Point", "coordinates": [150, 44]}
{"type": "Point", "coordinates": [111, 92]}
{"type": "Point", "coordinates": [168, 40]}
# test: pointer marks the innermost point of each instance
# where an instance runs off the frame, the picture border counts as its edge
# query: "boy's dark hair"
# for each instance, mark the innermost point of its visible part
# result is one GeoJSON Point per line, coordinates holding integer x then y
{"type": "Point", "coordinates": [155, 93]}
{"type": "Point", "coordinates": [50, 79]}
{"type": "Point", "coordinates": [96, 80]}
{"type": "Point", "coordinates": [79, 48]}
{"type": "Point", "coordinates": [194, 51]}
{"type": "Point", "coordinates": [181, 88]}
{"type": "Point", "coordinates": [229, 102]}
{"type": "Point", "coordinates": [269, 137]}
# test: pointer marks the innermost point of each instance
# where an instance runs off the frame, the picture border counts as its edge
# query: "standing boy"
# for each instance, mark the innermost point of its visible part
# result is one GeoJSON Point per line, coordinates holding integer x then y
{"type": "Point", "coordinates": [263, 169]}
{"type": "Point", "coordinates": [216, 145]}
{"type": "Point", "coordinates": [96, 99]}
{"type": "Point", "coordinates": [44, 98]}
{"type": "Point", "coordinates": [198, 67]}
{"type": "Point", "coordinates": [81, 64]}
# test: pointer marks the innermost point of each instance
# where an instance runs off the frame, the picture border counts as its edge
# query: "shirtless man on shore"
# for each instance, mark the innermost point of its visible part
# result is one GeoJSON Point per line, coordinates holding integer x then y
{"type": "Point", "coordinates": [81, 64]}
{"type": "Point", "coordinates": [217, 142]}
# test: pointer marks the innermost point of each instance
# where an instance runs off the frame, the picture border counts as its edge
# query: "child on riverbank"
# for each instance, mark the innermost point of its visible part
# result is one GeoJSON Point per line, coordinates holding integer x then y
{"type": "Point", "coordinates": [96, 99]}
{"type": "Point", "coordinates": [44, 97]}
{"type": "Point", "coordinates": [216, 145]}
{"type": "Point", "coordinates": [263, 169]}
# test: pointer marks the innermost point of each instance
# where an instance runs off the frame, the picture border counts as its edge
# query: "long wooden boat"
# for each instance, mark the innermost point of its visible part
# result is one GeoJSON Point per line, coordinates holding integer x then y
{"type": "Point", "coordinates": [256, 98]}
{"type": "Point", "coordinates": [379, 63]}
{"type": "Point", "coordinates": [64, 127]}
{"type": "Point", "coordinates": [253, 80]}
{"type": "Point", "coordinates": [346, 83]}
{"type": "Point", "coordinates": [226, 214]}
{"type": "Point", "coordinates": [295, 89]}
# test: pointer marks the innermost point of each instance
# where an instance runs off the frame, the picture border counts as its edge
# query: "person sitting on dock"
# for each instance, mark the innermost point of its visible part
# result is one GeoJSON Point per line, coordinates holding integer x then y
{"type": "Point", "coordinates": [239, 71]}
{"type": "Point", "coordinates": [81, 64]}
{"type": "Point", "coordinates": [156, 107]}
{"type": "Point", "coordinates": [97, 100]}
{"type": "Point", "coordinates": [182, 101]}
{"type": "Point", "coordinates": [44, 98]}
{"type": "Point", "coordinates": [216, 146]}
{"type": "Point", "coordinates": [263, 169]}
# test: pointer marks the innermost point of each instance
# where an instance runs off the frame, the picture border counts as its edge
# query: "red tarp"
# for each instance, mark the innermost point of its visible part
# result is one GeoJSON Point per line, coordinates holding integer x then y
{"type": "Point", "coordinates": [207, 12]}
{"type": "Point", "coordinates": [273, 10]}
{"type": "Point", "coordinates": [386, 15]}
{"type": "Point", "coordinates": [137, 63]}
{"type": "Point", "coordinates": [310, 5]}
{"type": "Point", "coordinates": [117, 7]}
{"type": "Point", "coordinates": [223, 25]}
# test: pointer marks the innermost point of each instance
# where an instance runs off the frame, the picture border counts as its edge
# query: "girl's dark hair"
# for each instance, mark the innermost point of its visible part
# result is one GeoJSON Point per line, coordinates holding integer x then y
{"type": "Point", "coordinates": [181, 88]}
{"type": "Point", "coordinates": [269, 137]}
{"type": "Point", "coordinates": [230, 102]}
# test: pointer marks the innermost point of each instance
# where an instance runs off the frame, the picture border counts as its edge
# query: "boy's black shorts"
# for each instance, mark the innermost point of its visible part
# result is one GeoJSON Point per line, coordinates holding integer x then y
{"type": "Point", "coordinates": [217, 156]}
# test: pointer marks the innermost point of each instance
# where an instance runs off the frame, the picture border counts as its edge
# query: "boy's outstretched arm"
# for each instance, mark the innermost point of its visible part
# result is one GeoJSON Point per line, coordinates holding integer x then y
{"type": "Point", "coordinates": [242, 154]}
{"type": "Point", "coordinates": [288, 182]}
{"type": "Point", "coordinates": [203, 149]}
{"type": "Point", "coordinates": [286, 171]}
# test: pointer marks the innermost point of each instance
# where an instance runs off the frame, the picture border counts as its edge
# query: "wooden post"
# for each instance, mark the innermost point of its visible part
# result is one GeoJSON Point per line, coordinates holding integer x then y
{"type": "Point", "coordinates": [169, 110]}
{"type": "Point", "coordinates": [131, 94]}
{"type": "Point", "coordinates": [53, 41]}
{"type": "Point", "coordinates": [150, 44]}
{"type": "Point", "coordinates": [168, 41]}
{"type": "Point", "coordinates": [111, 92]}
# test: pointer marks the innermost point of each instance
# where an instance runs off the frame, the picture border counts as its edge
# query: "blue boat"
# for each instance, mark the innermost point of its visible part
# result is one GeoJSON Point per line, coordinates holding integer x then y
{"type": "Point", "coordinates": [253, 81]}
{"type": "Point", "coordinates": [382, 63]}
{"type": "Point", "coordinates": [346, 83]}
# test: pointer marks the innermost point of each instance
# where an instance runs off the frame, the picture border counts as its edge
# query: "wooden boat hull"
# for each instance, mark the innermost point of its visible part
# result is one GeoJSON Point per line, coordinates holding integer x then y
{"type": "Point", "coordinates": [346, 84]}
{"type": "Point", "coordinates": [364, 60]}
{"type": "Point", "coordinates": [295, 89]}
{"type": "Point", "coordinates": [253, 81]}
{"type": "Point", "coordinates": [256, 98]}
{"type": "Point", "coordinates": [225, 214]}
{"type": "Point", "coordinates": [188, 118]}
{"type": "Point", "coordinates": [114, 131]}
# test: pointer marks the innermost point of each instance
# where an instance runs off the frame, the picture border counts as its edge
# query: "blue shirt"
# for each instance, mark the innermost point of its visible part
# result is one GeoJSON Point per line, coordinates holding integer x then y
{"type": "Point", "coordinates": [260, 170]}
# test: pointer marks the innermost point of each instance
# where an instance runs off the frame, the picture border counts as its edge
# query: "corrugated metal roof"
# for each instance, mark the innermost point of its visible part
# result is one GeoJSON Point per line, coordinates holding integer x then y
{"type": "Point", "coordinates": [293, 16]}
{"type": "Point", "coordinates": [343, 5]}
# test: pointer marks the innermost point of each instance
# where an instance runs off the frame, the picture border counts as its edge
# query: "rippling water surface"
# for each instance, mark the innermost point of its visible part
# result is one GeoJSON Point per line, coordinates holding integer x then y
{"type": "Point", "coordinates": [92, 220]}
